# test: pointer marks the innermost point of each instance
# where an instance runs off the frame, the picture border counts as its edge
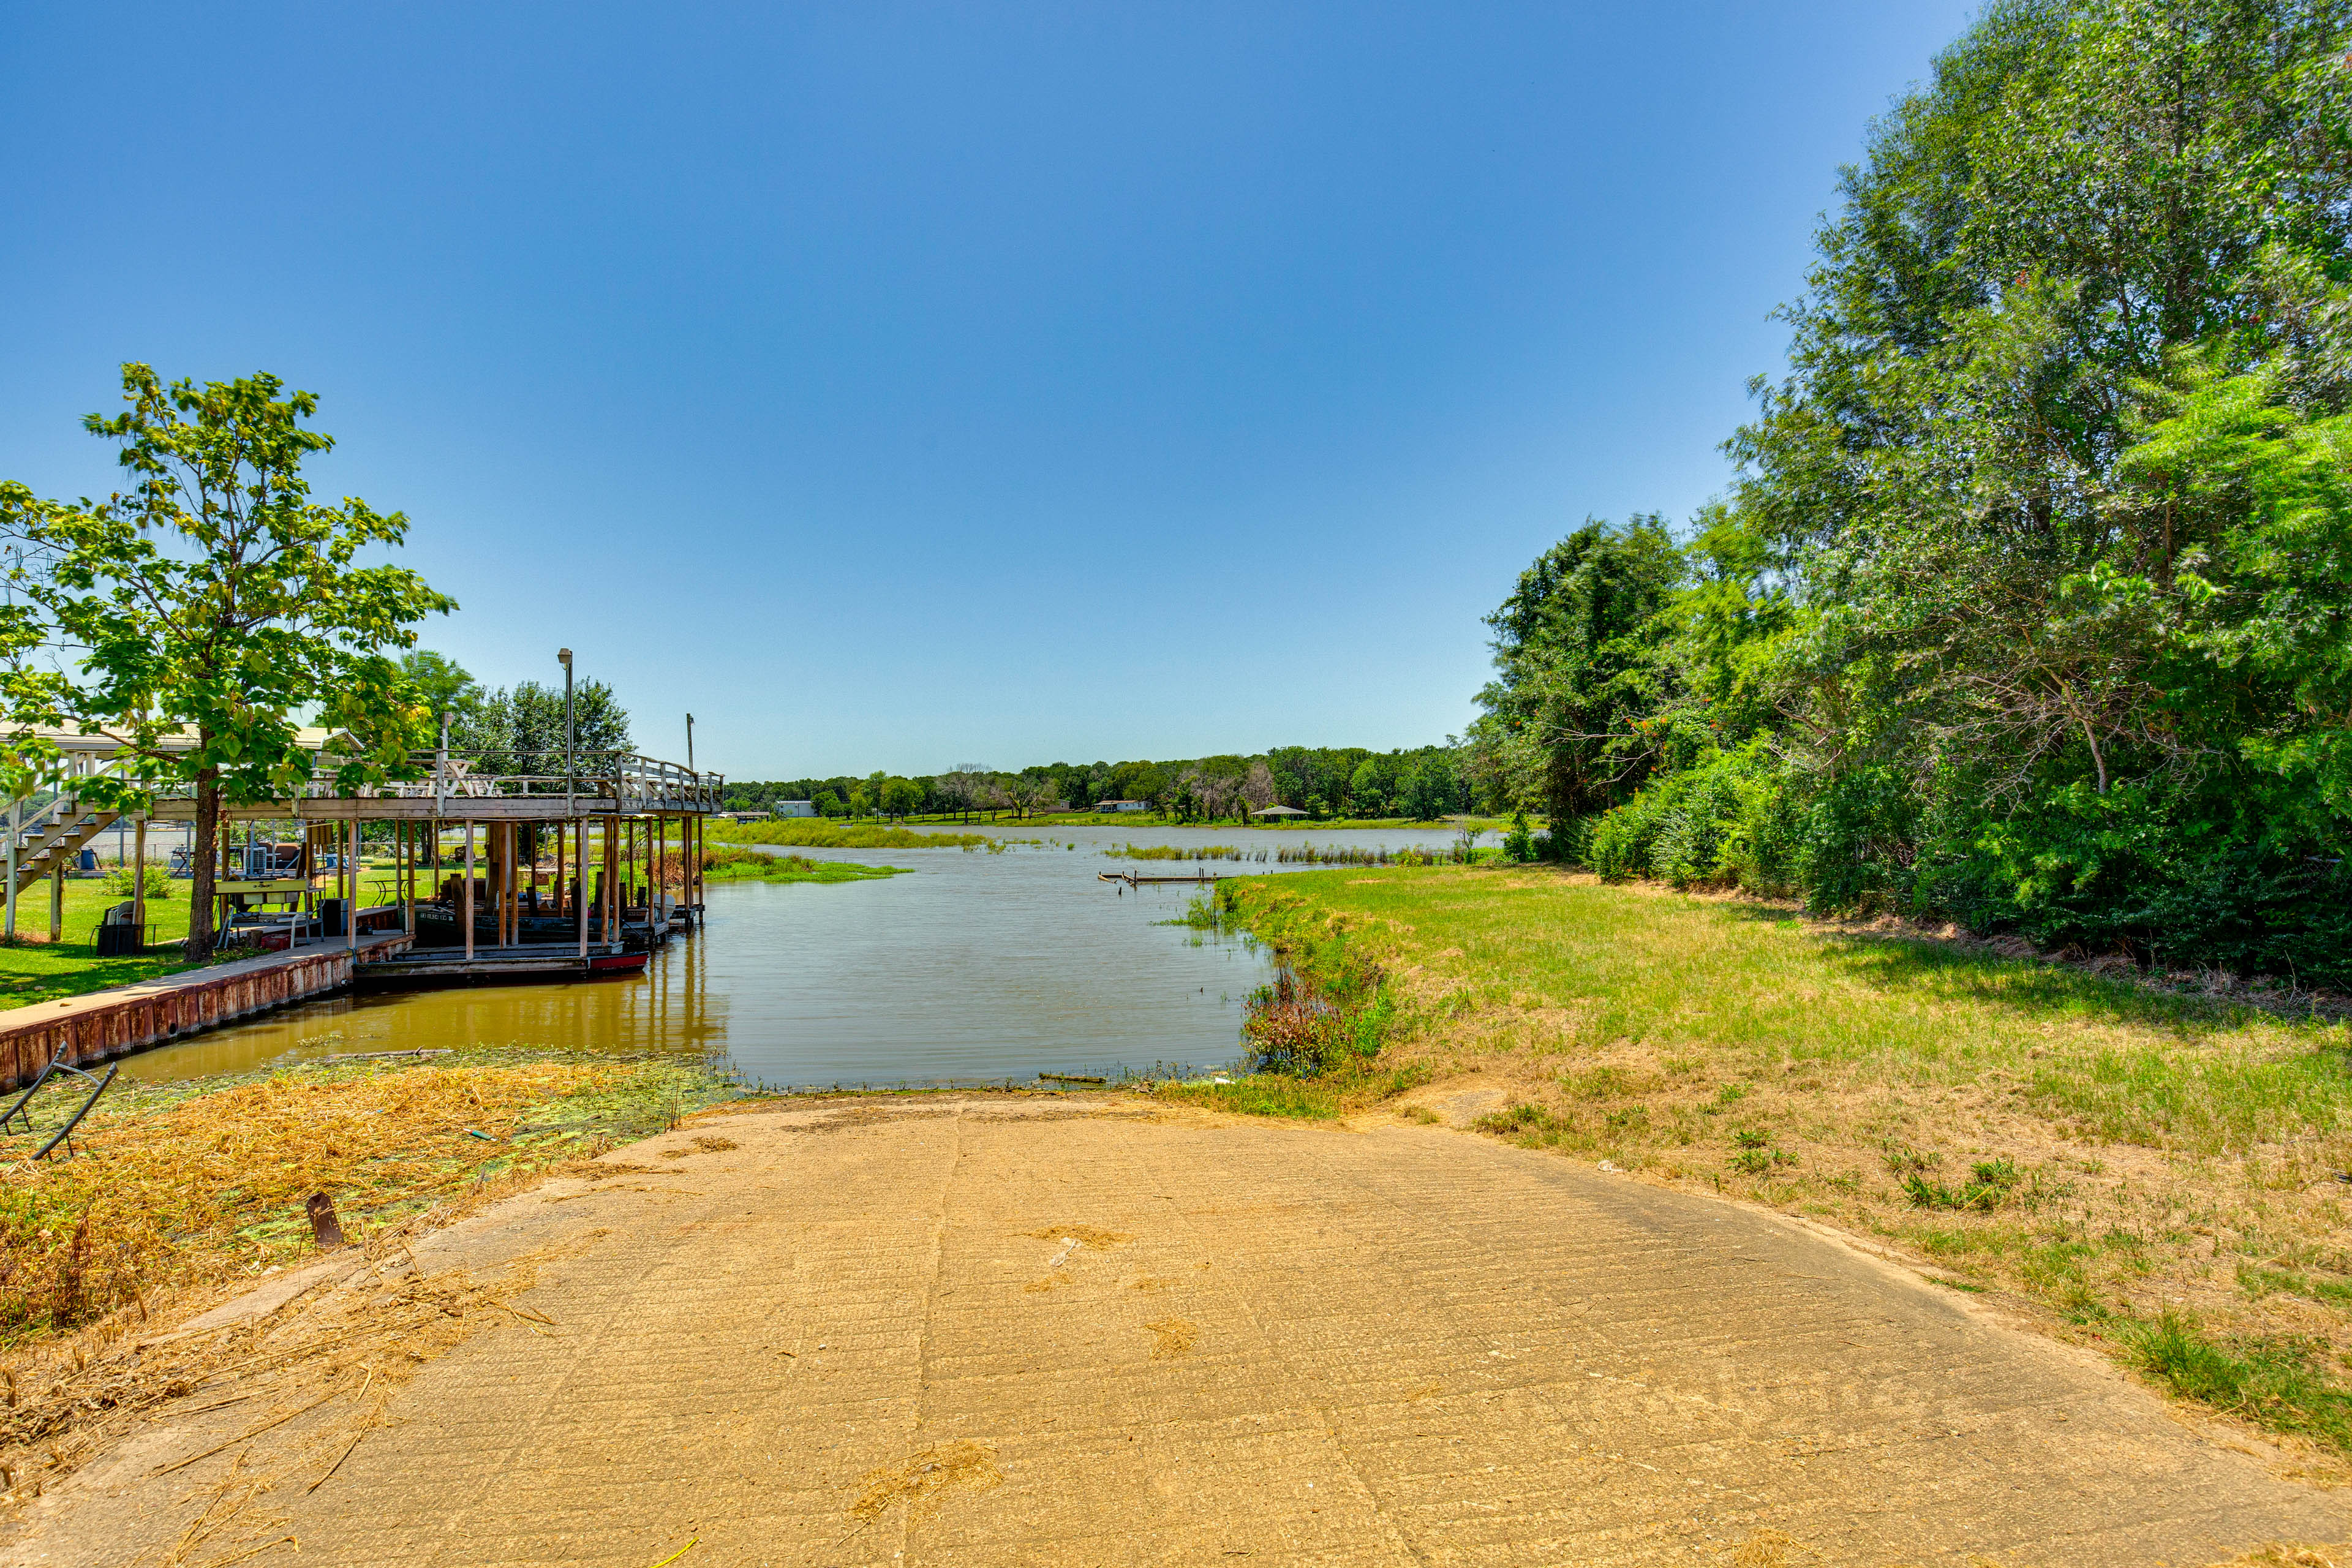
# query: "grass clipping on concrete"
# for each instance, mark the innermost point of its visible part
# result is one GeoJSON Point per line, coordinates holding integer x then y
{"type": "Point", "coordinates": [180, 1187]}
{"type": "Point", "coordinates": [2165, 1175]}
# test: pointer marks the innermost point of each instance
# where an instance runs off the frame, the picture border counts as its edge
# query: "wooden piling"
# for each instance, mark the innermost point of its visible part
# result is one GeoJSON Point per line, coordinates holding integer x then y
{"type": "Point", "coordinates": [352, 909]}
{"type": "Point", "coordinates": [580, 887]}
{"type": "Point", "coordinates": [469, 913]}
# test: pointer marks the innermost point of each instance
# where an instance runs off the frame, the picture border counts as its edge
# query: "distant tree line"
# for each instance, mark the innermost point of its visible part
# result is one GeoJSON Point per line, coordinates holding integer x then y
{"type": "Point", "coordinates": [1324, 781]}
{"type": "Point", "coordinates": [2031, 606]}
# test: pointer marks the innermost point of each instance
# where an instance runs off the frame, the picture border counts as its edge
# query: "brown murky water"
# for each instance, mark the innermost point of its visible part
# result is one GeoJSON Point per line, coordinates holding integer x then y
{"type": "Point", "coordinates": [971, 968]}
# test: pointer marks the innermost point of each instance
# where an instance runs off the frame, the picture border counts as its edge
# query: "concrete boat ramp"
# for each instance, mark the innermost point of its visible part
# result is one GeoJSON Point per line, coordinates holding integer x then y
{"type": "Point", "coordinates": [995, 1330]}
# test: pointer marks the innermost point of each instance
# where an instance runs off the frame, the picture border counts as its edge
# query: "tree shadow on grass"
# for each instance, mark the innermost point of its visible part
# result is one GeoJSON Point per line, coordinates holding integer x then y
{"type": "Point", "coordinates": [73, 969]}
{"type": "Point", "coordinates": [2034, 987]}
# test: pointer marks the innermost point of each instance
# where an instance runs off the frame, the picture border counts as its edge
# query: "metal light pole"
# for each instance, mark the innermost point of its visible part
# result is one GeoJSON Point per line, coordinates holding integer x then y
{"type": "Point", "coordinates": [563, 656]}
{"type": "Point", "coordinates": [441, 772]}
{"type": "Point", "coordinates": [689, 743]}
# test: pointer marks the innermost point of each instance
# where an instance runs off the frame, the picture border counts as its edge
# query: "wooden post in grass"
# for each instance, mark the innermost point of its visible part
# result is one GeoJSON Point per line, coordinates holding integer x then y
{"type": "Point", "coordinates": [352, 909]}
{"type": "Point", "coordinates": [138, 877]}
{"type": "Point", "coordinates": [580, 886]}
{"type": "Point", "coordinates": [57, 896]}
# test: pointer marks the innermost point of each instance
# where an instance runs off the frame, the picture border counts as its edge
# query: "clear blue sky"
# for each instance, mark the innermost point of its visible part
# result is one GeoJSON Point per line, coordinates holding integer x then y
{"type": "Point", "coordinates": [900, 386]}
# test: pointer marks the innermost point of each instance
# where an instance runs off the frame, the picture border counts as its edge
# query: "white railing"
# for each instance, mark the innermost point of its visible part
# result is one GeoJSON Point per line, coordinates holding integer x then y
{"type": "Point", "coordinates": [630, 781]}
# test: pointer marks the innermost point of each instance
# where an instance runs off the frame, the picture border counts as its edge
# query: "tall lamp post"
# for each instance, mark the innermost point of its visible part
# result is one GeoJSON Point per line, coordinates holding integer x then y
{"type": "Point", "coordinates": [563, 656]}
{"type": "Point", "coordinates": [441, 772]}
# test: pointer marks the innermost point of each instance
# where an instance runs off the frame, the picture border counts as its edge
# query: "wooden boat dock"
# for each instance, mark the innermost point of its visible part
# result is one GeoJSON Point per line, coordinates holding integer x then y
{"type": "Point", "coordinates": [565, 868]}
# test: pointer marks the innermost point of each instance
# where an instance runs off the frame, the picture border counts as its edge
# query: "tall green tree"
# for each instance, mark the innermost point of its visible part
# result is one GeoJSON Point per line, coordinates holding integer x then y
{"type": "Point", "coordinates": [197, 612]}
{"type": "Point", "coordinates": [1576, 667]}
{"type": "Point", "coordinates": [446, 685]}
{"type": "Point", "coordinates": [520, 729]}
{"type": "Point", "coordinates": [2030, 604]}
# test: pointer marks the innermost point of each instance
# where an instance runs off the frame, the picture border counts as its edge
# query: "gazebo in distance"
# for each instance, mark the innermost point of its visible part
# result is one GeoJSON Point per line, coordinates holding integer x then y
{"type": "Point", "coordinates": [1278, 811]}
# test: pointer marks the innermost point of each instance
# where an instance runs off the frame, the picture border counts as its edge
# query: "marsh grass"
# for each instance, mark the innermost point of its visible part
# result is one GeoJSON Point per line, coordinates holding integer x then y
{"type": "Point", "coordinates": [2102, 1151]}
{"type": "Point", "coordinates": [740, 863]}
{"type": "Point", "coordinates": [826, 832]}
{"type": "Point", "coordinates": [1320, 1099]}
{"type": "Point", "coordinates": [1462, 854]}
{"type": "Point", "coordinates": [1259, 1094]}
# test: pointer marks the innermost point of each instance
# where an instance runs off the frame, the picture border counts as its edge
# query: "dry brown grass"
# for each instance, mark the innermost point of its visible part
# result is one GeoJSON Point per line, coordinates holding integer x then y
{"type": "Point", "coordinates": [177, 1190]}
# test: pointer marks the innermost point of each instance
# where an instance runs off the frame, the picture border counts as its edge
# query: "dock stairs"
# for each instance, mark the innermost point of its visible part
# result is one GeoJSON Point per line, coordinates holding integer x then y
{"type": "Point", "coordinates": [54, 835]}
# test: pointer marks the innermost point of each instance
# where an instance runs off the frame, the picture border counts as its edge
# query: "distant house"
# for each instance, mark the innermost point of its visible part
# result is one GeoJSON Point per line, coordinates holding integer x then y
{"type": "Point", "coordinates": [1120, 805]}
{"type": "Point", "coordinates": [795, 808]}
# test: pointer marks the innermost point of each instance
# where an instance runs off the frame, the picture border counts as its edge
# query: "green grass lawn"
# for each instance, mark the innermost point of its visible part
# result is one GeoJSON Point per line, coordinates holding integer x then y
{"type": "Point", "coordinates": [2167, 1174]}
{"type": "Point", "coordinates": [37, 971]}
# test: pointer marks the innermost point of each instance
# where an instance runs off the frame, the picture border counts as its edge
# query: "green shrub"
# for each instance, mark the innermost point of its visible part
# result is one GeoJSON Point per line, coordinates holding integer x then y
{"type": "Point", "coordinates": [118, 883]}
{"type": "Point", "coordinates": [1727, 820]}
{"type": "Point", "coordinates": [1519, 844]}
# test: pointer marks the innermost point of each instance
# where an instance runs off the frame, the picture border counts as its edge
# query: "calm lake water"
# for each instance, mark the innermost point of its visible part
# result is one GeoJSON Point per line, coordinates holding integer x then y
{"type": "Point", "coordinates": [973, 967]}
